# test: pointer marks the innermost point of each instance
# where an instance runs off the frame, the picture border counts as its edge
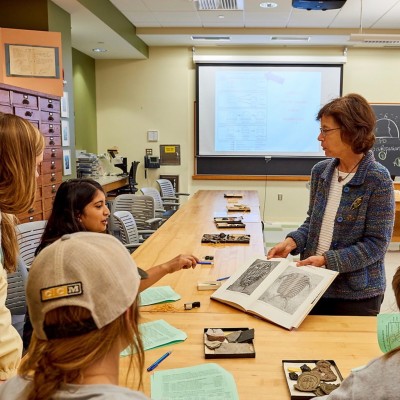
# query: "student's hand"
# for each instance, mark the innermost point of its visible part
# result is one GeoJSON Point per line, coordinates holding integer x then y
{"type": "Point", "coordinates": [316, 261]}
{"type": "Point", "coordinates": [183, 261]}
{"type": "Point", "coordinates": [282, 249]}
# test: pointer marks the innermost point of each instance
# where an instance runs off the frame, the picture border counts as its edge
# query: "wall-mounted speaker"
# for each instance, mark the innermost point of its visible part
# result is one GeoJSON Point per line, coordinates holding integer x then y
{"type": "Point", "coordinates": [321, 5]}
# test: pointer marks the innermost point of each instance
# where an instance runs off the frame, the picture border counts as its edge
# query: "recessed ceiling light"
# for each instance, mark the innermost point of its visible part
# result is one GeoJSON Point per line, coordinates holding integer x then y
{"type": "Point", "coordinates": [221, 16]}
{"type": "Point", "coordinates": [268, 5]}
{"type": "Point", "coordinates": [99, 50]}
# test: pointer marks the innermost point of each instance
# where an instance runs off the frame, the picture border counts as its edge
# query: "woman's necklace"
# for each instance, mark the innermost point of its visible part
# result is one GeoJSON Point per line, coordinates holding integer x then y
{"type": "Point", "coordinates": [341, 178]}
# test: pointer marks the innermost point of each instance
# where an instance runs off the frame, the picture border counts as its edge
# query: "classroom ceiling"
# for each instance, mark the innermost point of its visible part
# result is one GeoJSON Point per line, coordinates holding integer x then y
{"type": "Point", "coordinates": [368, 23]}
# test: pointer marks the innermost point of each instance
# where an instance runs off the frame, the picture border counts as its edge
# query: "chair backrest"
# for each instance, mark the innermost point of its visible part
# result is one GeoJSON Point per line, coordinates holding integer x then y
{"type": "Point", "coordinates": [143, 209]}
{"type": "Point", "coordinates": [122, 202]}
{"type": "Point", "coordinates": [29, 235]}
{"type": "Point", "coordinates": [155, 194]}
{"type": "Point", "coordinates": [127, 227]}
{"type": "Point", "coordinates": [15, 300]}
{"type": "Point", "coordinates": [166, 188]}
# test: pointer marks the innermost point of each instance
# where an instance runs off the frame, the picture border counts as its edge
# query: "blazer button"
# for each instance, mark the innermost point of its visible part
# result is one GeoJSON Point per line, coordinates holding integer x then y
{"type": "Point", "coordinates": [340, 219]}
{"type": "Point", "coordinates": [346, 189]}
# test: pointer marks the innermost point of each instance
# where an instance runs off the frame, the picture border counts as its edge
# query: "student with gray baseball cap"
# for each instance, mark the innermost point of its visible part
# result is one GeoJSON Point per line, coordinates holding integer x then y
{"type": "Point", "coordinates": [82, 298]}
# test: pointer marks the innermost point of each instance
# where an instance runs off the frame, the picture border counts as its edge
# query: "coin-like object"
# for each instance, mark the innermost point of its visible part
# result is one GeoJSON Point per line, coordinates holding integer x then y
{"type": "Point", "coordinates": [307, 382]}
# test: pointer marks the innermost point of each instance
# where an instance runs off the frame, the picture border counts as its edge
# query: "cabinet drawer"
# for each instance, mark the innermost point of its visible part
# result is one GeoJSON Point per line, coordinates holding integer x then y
{"type": "Point", "coordinates": [24, 100]}
{"type": "Point", "coordinates": [27, 113]}
{"type": "Point", "coordinates": [4, 96]}
{"type": "Point", "coordinates": [36, 209]}
{"type": "Point", "coordinates": [52, 152]}
{"type": "Point", "coordinates": [49, 104]}
{"type": "Point", "coordinates": [52, 141]}
{"type": "Point", "coordinates": [50, 129]}
{"type": "Point", "coordinates": [50, 116]}
{"type": "Point", "coordinates": [48, 204]}
{"type": "Point", "coordinates": [5, 109]}
{"type": "Point", "coordinates": [54, 177]}
{"type": "Point", "coordinates": [51, 166]}
{"type": "Point", "coordinates": [31, 218]}
{"type": "Point", "coordinates": [50, 191]}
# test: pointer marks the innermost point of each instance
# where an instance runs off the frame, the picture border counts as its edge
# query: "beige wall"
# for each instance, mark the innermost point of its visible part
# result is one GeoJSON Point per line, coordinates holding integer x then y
{"type": "Point", "coordinates": [158, 93]}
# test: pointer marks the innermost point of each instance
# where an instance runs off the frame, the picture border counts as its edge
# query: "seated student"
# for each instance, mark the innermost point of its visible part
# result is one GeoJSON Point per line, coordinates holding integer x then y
{"type": "Point", "coordinates": [82, 298]}
{"type": "Point", "coordinates": [80, 205]}
{"type": "Point", "coordinates": [377, 380]}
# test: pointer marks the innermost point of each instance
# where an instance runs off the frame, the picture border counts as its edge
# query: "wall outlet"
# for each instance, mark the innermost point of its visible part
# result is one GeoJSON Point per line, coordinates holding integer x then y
{"type": "Point", "coordinates": [280, 196]}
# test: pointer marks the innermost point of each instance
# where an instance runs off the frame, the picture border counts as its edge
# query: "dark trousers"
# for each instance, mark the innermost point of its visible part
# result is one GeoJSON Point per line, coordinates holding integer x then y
{"type": "Point", "coordinates": [326, 306]}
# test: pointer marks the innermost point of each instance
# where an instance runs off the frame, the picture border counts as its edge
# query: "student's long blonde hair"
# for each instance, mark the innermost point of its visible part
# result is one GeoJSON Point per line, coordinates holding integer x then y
{"type": "Point", "coordinates": [51, 363]}
{"type": "Point", "coordinates": [20, 144]}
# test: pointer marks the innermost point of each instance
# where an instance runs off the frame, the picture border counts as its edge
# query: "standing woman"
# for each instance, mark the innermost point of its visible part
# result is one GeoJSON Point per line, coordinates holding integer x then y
{"type": "Point", "coordinates": [21, 152]}
{"type": "Point", "coordinates": [351, 212]}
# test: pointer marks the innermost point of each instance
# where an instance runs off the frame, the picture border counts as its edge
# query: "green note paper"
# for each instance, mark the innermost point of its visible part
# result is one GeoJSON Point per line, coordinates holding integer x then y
{"type": "Point", "coordinates": [156, 334]}
{"type": "Point", "coordinates": [158, 294]}
{"type": "Point", "coordinates": [388, 331]}
{"type": "Point", "coordinates": [203, 382]}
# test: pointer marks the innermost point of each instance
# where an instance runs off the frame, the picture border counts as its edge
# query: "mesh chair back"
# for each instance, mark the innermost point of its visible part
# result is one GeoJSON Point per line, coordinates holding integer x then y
{"type": "Point", "coordinates": [155, 194]}
{"type": "Point", "coordinates": [123, 202]}
{"type": "Point", "coordinates": [143, 210]}
{"type": "Point", "coordinates": [15, 300]}
{"type": "Point", "coordinates": [167, 190]}
{"type": "Point", "coordinates": [28, 236]}
{"type": "Point", "coordinates": [127, 227]}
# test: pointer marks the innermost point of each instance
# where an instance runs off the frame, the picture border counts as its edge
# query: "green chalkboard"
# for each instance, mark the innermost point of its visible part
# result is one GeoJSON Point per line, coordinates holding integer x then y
{"type": "Point", "coordinates": [387, 144]}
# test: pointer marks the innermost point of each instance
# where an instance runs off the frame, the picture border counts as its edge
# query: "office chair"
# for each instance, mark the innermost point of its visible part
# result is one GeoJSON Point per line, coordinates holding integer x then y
{"type": "Point", "coordinates": [131, 187]}
{"type": "Point", "coordinates": [143, 211]}
{"type": "Point", "coordinates": [16, 301]}
{"type": "Point", "coordinates": [163, 209]}
{"type": "Point", "coordinates": [168, 191]}
{"type": "Point", "coordinates": [29, 235]}
{"type": "Point", "coordinates": [130, 236]}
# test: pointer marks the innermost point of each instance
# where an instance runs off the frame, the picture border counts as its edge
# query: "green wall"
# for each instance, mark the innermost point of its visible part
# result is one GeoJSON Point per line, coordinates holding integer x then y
{"type": "Point", "coordinates": [85, 102]}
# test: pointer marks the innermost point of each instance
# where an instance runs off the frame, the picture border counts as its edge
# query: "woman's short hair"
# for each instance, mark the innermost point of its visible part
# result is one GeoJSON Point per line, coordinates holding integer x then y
{"type": "Point", "coordinates": [356, 119]}
{"type": "Point", "coordinates": [20, 144]}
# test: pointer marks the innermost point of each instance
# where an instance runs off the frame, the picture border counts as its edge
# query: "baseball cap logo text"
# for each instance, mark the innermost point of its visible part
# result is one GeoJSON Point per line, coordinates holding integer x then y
{"type": "Point", "coordinates": [61, 291]}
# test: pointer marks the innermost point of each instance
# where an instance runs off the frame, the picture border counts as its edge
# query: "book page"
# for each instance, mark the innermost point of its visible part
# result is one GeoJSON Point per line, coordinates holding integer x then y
{"type": "Point", "coordinates": [288, 298]}
{"type": "Point", "coordinates": [242, 286]}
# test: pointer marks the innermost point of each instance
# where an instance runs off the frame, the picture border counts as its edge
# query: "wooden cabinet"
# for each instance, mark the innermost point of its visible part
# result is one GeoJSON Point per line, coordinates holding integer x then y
{"type": "Point", "coordinates": [43, 111]}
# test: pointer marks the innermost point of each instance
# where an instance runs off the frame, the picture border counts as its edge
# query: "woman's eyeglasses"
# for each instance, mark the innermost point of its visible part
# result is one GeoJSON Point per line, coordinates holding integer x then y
{"type": "Point", "coordinates": [325, 132]}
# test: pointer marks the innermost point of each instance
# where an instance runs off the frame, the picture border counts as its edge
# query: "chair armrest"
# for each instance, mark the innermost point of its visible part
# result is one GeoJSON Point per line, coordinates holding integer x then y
{"type": "Point", "coordinates": [146, 231]}
{"type": "Point", "coordinates": [182, 194]}
{"type": "Point", "coordinates": [132, 245]}
{"type": "Point", "coordinates": [160, 210]}
{"type": "Point", "coordinates": [153, 220]}
{"type": "Point", "coordinates": [170, 198]}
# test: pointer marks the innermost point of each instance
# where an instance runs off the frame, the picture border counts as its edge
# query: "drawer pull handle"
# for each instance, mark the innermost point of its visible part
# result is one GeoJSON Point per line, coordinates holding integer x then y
{"type": "Point", "coordinates": [51, 118]}
{"type": "Point", "coordinates": [51, 142]}
{"type": "Point", "coordinates": [31, 218]}
{"type": "Point", "coordinates": [25, 100]}
{"type": "Point", "coordinates": [53, 179]}
{"type": "Point", "coordinates": [53, 190]}
{"type": "Point", "coordinates": [53, 166]}
{"type": "Point", "coordinates": [51, 130]}
{"type": "Point", "coordinates": [29, 114]}
{"type": "Point", "coordinates": [31, 210]}
{"type": "Point", "coordinates": [49, 105]}
{"type": "Point", "coordinates": [53, 154]}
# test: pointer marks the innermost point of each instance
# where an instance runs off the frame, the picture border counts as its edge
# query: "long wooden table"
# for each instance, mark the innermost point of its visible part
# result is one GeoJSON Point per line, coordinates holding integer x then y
{"type": "Point", "coordinates": [350, 341]}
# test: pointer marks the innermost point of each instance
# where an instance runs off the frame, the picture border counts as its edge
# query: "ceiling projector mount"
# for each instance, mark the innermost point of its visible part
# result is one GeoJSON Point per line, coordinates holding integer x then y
{"type": "Point", "coordinates": [321, 5]}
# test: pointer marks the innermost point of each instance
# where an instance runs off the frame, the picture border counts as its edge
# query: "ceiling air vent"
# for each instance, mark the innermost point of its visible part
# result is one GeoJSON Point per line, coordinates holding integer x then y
{"type": "Point", "coordinates": [393, 40]}
{"type": "Point", "coordinates": [210, 5]}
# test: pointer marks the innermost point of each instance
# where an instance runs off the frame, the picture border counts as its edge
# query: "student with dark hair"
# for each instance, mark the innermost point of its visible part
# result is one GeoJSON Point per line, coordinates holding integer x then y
{"type": "Point", "coordinates": [351, 212]}
{"type": "Point", "coordinates": [82, 298]}
{"type": "Point", "coordinates": [21, 152]}
{"type": "Point", "coordinates": [79, 206]}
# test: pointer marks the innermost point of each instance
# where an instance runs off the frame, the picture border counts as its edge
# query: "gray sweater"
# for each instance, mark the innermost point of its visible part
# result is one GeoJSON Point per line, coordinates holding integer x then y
{"type": "Point", "coordinates": [378, 380]}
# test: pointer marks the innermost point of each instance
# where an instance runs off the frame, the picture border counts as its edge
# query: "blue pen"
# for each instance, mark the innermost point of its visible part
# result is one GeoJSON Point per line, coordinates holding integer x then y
{"type": "Point", "coordinates": [205, 262]}
{"type": "Point", "coordinates": [155, 363]}
{"type": "Point", "coordinates": [223, 279]}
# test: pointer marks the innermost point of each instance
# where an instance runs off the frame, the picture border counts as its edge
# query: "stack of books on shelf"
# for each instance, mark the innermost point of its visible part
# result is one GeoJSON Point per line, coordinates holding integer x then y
{"type": "Point", "coordinates": [87, 165]}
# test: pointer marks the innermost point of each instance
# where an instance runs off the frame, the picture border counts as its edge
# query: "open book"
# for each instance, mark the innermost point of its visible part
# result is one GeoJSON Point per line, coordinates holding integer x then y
{"type": "Point", "coordinates": [276, 290]}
